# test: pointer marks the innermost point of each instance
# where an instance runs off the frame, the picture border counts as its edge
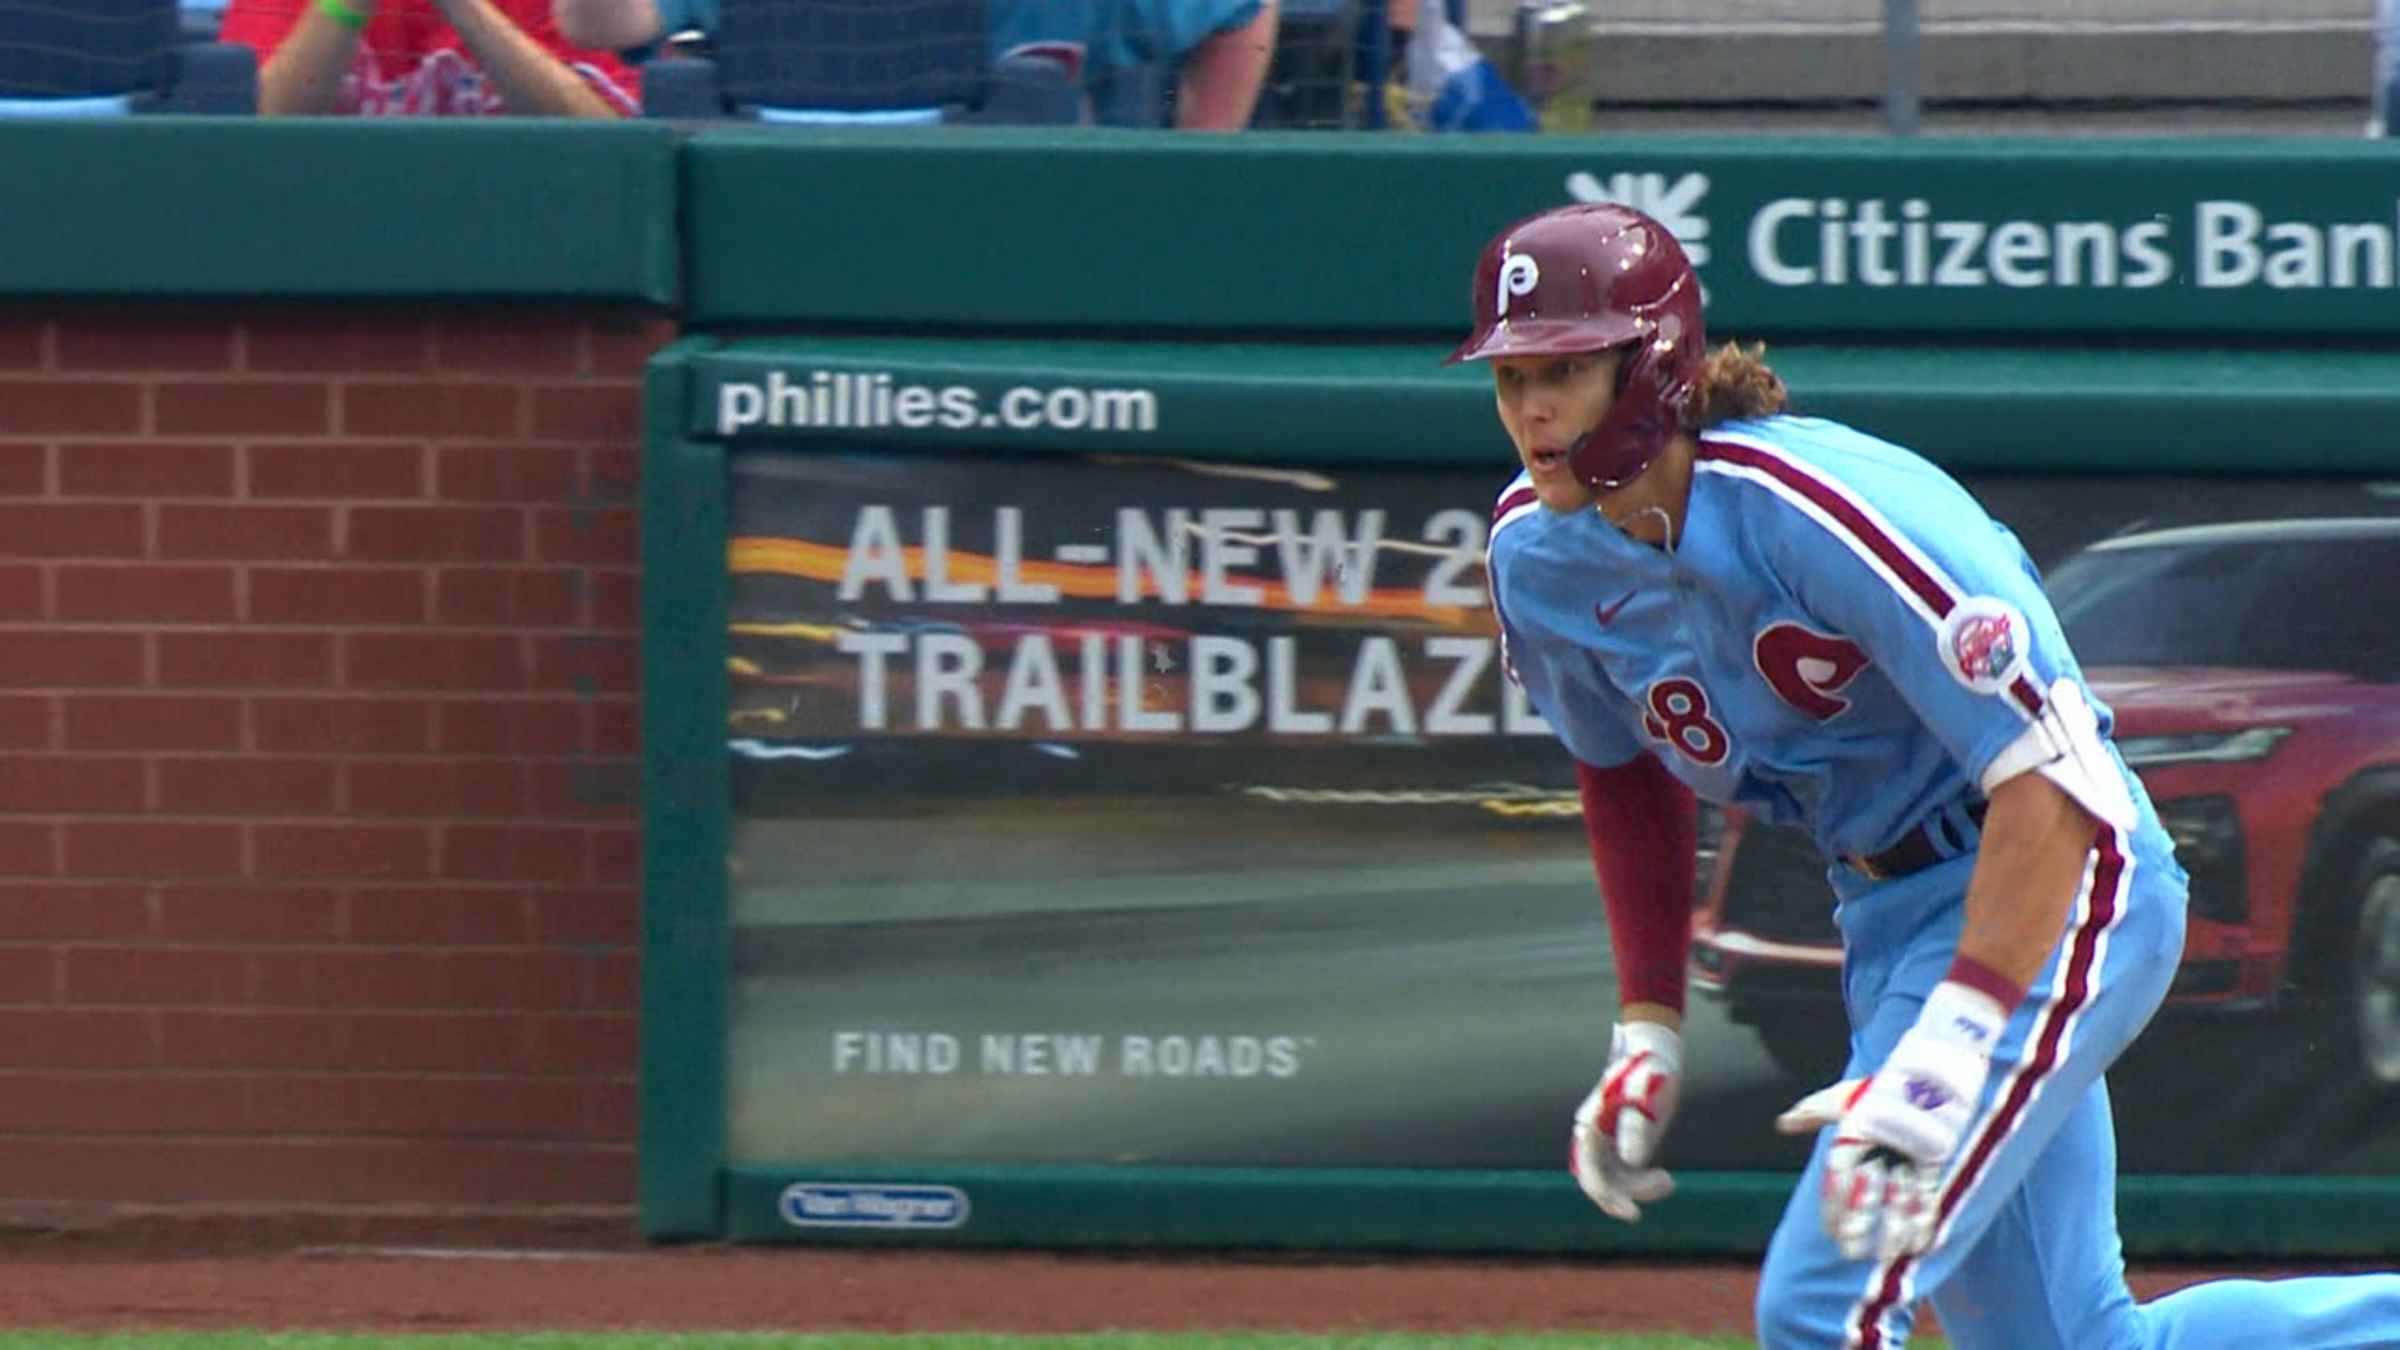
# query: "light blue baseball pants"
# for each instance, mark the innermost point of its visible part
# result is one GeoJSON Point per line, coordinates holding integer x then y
{"type": "Point", "coordinates": [2028, 1257]}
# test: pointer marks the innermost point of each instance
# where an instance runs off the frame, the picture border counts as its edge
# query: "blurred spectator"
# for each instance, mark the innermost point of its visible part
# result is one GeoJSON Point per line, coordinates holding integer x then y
{"type": "Point", "coordinates": [630, 26]}
{"type": "Point", "coordinates": [1400, 16]}
{"type": "Point", "coordinates": [1400, 24]}
{"type": "Point", "coordinates": [1452, 86]}
{"type": "Point", "coordinates": [1220, 49]}
{"type": "Point", "coordinates": [424, 58]}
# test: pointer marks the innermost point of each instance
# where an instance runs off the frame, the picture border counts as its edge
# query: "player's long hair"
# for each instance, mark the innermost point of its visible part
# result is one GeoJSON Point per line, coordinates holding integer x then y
{"type": "Point", "coordinates": [1735, 383]}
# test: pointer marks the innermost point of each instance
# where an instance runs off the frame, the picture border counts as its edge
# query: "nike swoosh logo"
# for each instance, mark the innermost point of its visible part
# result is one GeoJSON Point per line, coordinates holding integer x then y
{"type": "Point", "coordinates": [1604, 613]}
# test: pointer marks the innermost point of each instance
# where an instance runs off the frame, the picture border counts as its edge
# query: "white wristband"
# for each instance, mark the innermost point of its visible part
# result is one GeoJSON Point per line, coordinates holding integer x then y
{"type": "Point", "coordinates": [1963, 1015]}
{"type": "Point", "coordinates": [1661, 1040]}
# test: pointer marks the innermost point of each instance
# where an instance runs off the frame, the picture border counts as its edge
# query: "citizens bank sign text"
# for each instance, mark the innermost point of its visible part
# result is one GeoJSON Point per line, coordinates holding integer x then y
{"type": "Point", "coordinates": [1910, 241]}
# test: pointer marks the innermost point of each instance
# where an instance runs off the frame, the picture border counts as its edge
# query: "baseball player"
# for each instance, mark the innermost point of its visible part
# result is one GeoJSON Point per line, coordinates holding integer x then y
{"type": "Point", "coordinates": [1706, 595]}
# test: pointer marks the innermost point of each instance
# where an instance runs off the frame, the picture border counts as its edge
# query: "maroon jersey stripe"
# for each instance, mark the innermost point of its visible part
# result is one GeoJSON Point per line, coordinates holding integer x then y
{"type": "Point", "coordinates": [1869, 537]}
{"type": "Point", "coordinates": [1864, 533]}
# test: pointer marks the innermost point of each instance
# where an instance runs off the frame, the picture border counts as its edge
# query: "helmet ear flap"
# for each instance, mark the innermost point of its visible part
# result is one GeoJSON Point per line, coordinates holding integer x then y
{"type": "Point", "coordinates": [1653, 396]}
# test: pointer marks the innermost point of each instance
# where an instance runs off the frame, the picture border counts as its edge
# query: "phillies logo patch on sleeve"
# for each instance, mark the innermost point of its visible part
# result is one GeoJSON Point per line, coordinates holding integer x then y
{"type": "Point", "coordinates": [1984, 643]}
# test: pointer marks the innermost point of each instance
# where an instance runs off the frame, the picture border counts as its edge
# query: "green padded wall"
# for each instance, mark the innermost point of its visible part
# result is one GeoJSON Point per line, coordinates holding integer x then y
{"type": "Point", "coordinates": [516, 209]}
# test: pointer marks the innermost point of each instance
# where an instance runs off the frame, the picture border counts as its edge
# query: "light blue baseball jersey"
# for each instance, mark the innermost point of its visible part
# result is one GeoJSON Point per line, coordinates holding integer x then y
{"type": "Point", "coordinates": [1842, 639]}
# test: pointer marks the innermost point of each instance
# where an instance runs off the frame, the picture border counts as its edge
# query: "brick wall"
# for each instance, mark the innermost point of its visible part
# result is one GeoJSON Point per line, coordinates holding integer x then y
{"type": "Point", "coordinates": [318, 744]}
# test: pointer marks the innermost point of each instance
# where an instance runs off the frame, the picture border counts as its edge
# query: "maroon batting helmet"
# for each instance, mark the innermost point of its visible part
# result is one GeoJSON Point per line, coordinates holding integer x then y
{"type": "Point", "coordinates": [1588, 278]}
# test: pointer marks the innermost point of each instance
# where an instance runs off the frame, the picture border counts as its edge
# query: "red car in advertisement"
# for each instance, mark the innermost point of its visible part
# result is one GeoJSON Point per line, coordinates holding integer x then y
{"type": "Point", "coordinates": [2254, 669]}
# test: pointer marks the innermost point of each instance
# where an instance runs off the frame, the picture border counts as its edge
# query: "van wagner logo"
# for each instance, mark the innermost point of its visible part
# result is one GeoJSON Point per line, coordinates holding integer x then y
{"type": "Point", "coordinates": [827, 1204]}
{"type": "Point", "coordinates": [1674, 204]}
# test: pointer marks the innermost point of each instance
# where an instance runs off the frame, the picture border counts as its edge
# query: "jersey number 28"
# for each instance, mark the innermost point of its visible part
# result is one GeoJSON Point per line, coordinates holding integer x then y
{"type": "Point", "coordinates": [1678, 714]}
{"type": "Point", "coordinates": [1806, 669]}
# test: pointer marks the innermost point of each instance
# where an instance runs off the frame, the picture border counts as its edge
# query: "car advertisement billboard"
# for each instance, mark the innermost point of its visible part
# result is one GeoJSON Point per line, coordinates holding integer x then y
{"type": "Point", "coordinates": [1138, 810]}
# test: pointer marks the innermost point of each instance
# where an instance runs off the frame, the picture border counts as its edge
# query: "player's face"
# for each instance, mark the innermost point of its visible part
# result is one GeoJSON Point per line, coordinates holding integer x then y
{"type": "Point", "coordinates": [1547, 403]}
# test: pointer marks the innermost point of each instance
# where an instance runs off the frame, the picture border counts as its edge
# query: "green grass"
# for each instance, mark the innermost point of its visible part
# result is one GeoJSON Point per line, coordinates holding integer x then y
{"type": "Point", "coordinates": [843, 1341]}
{"type": "Point", "coordinates": [723, 1340]}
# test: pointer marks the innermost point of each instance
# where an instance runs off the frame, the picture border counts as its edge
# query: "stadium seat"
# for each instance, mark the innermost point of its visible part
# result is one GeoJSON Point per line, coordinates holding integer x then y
{"type": "Point", "coordinates": [1135, 96]}
{"type": "Point", "coordinates": [82, 58]}
{"type": "Point", "coordinates": [1027, 91]}
{"type": "Point", "coordinates": [214, 79]}
{"type": "Point", "coordinates": [862, 62]}
{"type": "Point", "coordinates": [202, 19]}
{"type": "Point", "coordinates": [1316, 62]}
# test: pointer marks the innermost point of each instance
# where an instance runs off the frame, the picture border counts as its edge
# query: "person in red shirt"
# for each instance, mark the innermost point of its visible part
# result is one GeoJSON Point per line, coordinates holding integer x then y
{"type": "Point", "coordinates": [424, 58]}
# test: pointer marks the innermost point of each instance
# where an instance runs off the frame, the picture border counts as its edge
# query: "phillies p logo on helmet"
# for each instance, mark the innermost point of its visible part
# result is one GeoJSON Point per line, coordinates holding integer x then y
{"type": "Point", "coordinates": [1518, 276]}
{"type": "Point", "coordinates": [1588, 278]}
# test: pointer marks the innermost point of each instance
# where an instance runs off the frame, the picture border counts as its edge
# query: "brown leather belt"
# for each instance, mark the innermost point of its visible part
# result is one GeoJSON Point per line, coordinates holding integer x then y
{"type": "Point", "coordinates": [1915, 852]}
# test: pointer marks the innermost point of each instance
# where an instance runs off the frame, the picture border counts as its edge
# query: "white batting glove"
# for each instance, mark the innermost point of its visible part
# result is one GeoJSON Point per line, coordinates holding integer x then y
{"type": "Point", "coordinates": [1898, 1132]}
{"type": "Point", "coordinates": [1622, 1119]}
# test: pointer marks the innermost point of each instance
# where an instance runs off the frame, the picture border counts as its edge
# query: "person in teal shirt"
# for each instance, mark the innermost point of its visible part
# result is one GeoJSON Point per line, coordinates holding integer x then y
{"type": "Point", "coordinates": [1220, 49]}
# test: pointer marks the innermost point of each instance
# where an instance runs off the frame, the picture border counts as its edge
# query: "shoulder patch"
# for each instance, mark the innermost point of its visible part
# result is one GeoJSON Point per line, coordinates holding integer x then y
{"type": "Point", "coordinates": [1984, 642]}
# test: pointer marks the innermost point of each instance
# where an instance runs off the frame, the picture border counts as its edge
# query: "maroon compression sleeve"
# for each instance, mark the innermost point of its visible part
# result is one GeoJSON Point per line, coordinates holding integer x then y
{"type": "Point", "coordinates": [1643, 827]}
